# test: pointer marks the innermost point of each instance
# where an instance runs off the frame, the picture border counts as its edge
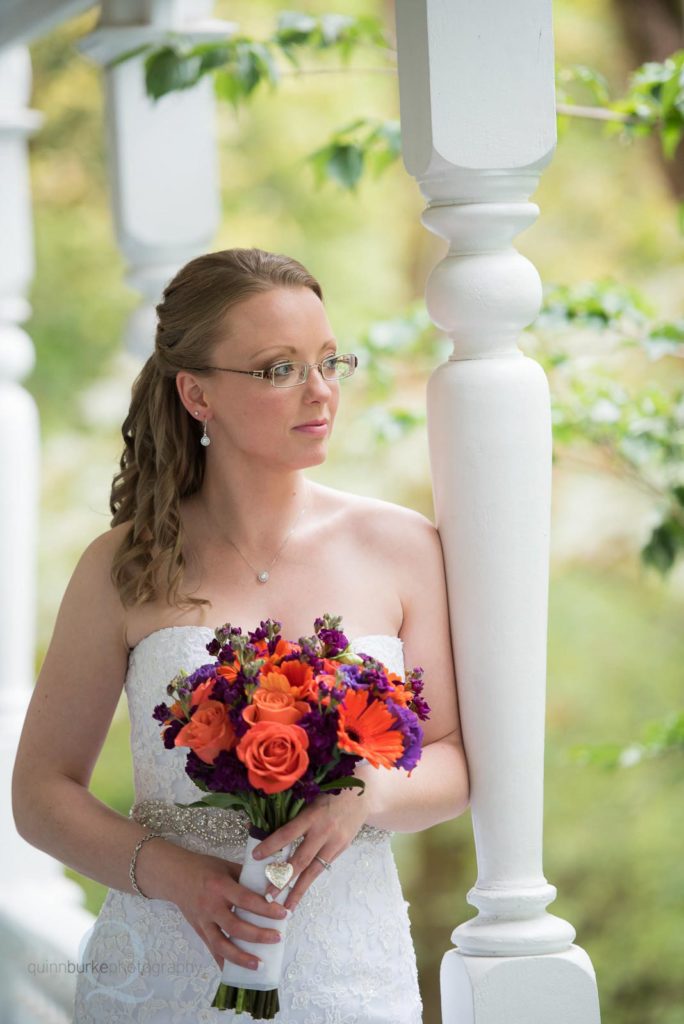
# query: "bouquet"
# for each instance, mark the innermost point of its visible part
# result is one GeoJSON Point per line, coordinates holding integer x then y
{"type": "Point", "coordinates": [271, 724]}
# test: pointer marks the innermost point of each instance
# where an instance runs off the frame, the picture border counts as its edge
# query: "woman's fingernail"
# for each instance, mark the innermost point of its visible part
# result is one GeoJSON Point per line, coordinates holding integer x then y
{"type": "Point", "coordinates": [269, 898]}
{"type": "Point", "coordinates": [257, 854]}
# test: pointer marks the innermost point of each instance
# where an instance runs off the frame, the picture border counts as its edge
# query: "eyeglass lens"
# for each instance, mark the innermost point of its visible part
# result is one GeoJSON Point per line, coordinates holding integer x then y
{"type": "Point", "coordinates": [288, 374]}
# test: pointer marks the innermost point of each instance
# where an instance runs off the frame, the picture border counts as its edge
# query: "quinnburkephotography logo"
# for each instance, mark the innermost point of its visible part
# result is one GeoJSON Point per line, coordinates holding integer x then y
{"type": "Point", "coordinates": [123, 975]}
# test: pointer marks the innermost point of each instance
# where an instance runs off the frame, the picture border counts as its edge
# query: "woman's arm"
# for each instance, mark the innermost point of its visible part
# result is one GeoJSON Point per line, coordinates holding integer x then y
{"type": "Point", "coordinates": [438, 788]}
{"type": "Point", "coordinates": [68, 717]}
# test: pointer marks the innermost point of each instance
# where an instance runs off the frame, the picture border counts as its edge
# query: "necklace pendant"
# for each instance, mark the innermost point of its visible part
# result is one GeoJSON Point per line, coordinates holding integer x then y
{"type": "Point", "coordinates": [262, 577]}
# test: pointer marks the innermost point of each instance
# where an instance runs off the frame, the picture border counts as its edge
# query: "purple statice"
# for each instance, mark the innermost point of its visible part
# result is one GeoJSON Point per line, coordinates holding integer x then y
{"type": "Point", "coordinates": [225, 691]}
{"type": "Point", "coordinates": [412, 734]}
{"type": "Point", "coordinates": [197, 768]}
{"type": "Point", "coordinates": [351, 676]}
{"type": "Point", "coordinates": [171, 732]}
{"type": "Point", "coordinates": [200, 675]}
{"type": "Point", "coordinates": [268, 630]}
{"type": "Point", "coordinates": [334, 641]}
{"type": "Point", "coordinates": [375, 678]}
{"type": "Point", "coordinates": [422, 708]}
{"type": "Point", "coordinates": [161, 712]}
{"type": "Point", "coordinates": [226, 655]}
{"type": "Point", "coordinates": [305, 789]}
{"type": "Point", "coordinates": [228, 774]}
{"type": "Point", "coordinates": [239, 724]}
{"type": "Point", "coordinates": [308, 653]}
{"type": "Point", "coordinates": [321, 729]}
{"type": "Point", "coordinates": [414, 680]}
{"type": "Point", "coordinates": [345, 766]}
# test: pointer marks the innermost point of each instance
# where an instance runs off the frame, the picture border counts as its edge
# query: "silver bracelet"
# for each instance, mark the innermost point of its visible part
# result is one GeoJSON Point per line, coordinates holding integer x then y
{"type": "Point", "coordinates": [131, 870]}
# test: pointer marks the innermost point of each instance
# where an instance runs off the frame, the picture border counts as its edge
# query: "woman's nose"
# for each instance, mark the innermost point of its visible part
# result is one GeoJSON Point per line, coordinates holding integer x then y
{"type": "Point", "coordinates": [316, 383]}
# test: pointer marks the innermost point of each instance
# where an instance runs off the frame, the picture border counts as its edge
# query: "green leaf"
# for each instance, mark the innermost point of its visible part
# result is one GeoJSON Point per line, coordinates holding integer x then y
{"type": "Point", "coordinates": [347, 782]}
{"type": "Point", "coordinates": [345, 165]}
{"type": "Point", "coordinates": [661, 550]}
{"type": "Point", "coordinates": [294, 28]}
{"type": "Point", "coordinates": [166, 71]}
{"type": "Point", "coordinates": [224, 800]}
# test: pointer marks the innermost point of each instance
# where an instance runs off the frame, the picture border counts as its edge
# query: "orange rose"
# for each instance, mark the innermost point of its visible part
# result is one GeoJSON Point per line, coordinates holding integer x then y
{"type": "Point", "coordinates": [275, 701]}
{"type": "Point", "coordinates": [202, 692]}
{"type": "Point", "coordinates": [208, 732]}
{"type": "Point", "coordinates": [275, 755]}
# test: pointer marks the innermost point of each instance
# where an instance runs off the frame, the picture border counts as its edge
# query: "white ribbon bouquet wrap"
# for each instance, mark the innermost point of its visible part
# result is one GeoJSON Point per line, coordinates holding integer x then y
{"type": "Point", "coordinates": [253, 876]}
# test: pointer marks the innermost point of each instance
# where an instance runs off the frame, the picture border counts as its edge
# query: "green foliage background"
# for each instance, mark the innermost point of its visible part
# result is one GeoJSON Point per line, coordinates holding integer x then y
{"type": "Point", "coordinates": [612, 838]}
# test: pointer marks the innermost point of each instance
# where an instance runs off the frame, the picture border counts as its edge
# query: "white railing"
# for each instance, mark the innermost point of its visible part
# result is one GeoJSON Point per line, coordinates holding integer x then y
{"type": "Point", "coordinates": [476, 85]}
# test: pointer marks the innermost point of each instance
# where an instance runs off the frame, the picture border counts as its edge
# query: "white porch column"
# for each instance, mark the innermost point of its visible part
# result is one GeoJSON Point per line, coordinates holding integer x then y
{"type": "Point", "coordinates": [41, 917]}
{"type": "Point", "coordinates": [478, 126]}
{"type": "Point", "coordinates": [162, 154]}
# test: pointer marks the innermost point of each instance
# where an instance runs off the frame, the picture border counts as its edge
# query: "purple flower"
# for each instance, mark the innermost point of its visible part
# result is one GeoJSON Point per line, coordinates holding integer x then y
{"type": "Point", "coordinates": [239, 724]}
{"type": "Point", "coordinates": [412, 734]}
{"type": "Point", "coordinates": [200, 675]}
{"type": "Point", "coordinates": [305, 789]}
{"type": "Point", "coordinates": [171, 732]}
{"type": "Point", "coordinates": [351, 676]}
{"type": "Point", "coordinates": [228, 774]}
{"type": "Point", "coordinates": [422, 708]}
{"type": "Point", "coordinates": [345, 766]}
{"type": "Point", "coordinates": [161, 712]}
{"type": "Point", "coordinates": [414, 680]}
{"type": "Point", "coordinates": [374, 677]}
{"type": "Point", "coordinates": [334, 641]}
{"type": "Point", "coordinates": [321, 729]}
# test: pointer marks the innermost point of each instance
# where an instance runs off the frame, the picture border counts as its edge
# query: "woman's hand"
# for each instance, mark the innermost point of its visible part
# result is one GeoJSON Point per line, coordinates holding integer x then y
{"type": "Point", "coordinates": [209, 894]}
{"type": "Point", "coordinates": [328, 824]}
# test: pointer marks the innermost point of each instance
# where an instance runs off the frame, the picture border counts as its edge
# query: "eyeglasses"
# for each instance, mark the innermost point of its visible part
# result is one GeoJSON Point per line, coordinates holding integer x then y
{"type": "Point", "coordinates": [289, 374]}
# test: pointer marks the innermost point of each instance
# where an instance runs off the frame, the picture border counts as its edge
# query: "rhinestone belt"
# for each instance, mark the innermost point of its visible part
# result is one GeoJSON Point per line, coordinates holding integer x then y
{"type": "Point", "coordinates": [218, 826]}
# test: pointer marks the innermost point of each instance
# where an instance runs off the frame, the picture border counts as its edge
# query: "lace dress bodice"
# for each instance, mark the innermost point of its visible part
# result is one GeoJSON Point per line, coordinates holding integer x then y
{"type": "Point", "coordinates": [348, 959]}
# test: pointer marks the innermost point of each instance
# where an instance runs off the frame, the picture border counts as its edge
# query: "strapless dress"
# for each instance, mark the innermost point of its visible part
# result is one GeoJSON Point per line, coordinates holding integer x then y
{"type": "Point", "coordinates": [349, 956]}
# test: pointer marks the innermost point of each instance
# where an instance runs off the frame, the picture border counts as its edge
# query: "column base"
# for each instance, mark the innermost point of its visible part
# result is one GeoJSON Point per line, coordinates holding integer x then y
{"type": "Point", "coordinates": [558, 987]}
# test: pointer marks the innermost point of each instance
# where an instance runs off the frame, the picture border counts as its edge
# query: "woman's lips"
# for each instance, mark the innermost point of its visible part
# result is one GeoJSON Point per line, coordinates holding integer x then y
{"type": "Point", "coordinates": [317, 430]}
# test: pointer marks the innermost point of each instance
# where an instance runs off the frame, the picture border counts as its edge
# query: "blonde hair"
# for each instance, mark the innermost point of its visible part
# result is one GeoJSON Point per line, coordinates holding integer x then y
{"type": "Point", "coordinates": [162, 460]}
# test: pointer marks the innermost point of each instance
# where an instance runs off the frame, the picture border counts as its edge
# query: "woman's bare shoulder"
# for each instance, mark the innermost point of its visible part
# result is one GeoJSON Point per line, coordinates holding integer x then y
{"type": "Point", "coordinates": [92, 574]}
{"type": "Point", "coordinates": [99, 554]}
{"type": "Point", "coordinates": [378, 520]}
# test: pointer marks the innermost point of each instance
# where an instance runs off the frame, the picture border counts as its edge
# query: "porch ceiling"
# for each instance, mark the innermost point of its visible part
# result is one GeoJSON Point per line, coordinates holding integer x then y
{"type": "Point", "coordinates": [21, 21]}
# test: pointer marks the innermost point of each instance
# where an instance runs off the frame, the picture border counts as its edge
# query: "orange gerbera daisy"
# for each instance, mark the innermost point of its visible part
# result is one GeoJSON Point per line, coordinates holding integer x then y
{"type": "Point", "coordinates": [365, 728]}
{"type": "Point", "coordinates": [400, 695]}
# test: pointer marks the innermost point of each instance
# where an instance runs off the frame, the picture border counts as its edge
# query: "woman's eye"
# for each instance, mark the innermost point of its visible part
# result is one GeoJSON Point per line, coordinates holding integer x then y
{"type": "Point", "coordinates": [282, 369]}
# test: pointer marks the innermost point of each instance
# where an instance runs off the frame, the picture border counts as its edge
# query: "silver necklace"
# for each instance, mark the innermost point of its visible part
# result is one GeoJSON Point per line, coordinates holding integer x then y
{"type": "Point", "coordinates": [264, 575]}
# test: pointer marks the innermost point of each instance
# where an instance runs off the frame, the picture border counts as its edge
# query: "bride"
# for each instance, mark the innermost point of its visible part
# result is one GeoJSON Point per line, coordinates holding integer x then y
{"type": "Point", "coordinates": [214, 521]}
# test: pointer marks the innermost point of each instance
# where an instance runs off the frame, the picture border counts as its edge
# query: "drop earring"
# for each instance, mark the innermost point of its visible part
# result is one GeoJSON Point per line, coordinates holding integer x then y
{"type": "Point", "coordinates": [205, 439]}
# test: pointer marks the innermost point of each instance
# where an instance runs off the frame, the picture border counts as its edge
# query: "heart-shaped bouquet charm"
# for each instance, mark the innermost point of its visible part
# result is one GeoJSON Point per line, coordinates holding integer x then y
{"type": "Point", "coordinates": [279, 872]}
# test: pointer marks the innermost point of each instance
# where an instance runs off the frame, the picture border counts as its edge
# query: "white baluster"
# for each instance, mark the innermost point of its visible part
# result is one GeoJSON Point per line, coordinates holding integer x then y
{"type": "Point", "coordinates": [40, 912]}
{"type": "Point", "coordinates": [162, 154]}
{"type": "Point", "coordinates": [478, 126]}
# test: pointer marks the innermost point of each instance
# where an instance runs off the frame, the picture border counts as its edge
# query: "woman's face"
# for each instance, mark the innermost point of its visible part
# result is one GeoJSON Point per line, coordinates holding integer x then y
{"type": "Point", "coordinates": [249, 415]}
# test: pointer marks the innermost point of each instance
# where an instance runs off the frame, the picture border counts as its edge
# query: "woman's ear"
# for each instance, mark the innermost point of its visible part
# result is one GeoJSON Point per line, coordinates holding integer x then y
{"type": "Point", "coordinates": [192, 395]}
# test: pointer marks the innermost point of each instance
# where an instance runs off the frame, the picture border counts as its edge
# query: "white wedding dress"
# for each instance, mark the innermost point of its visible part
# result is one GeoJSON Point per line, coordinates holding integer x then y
{"type": "Point", "coordinates": [348, 957]}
